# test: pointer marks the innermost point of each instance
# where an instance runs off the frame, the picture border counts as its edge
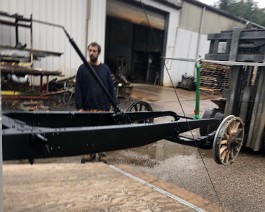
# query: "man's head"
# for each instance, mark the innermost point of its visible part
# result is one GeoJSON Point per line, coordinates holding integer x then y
{"type": "Point", "coordinates": [94, 50]}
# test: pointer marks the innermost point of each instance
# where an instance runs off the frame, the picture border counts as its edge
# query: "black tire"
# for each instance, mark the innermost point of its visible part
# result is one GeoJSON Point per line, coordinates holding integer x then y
{"type": "Point", "coordinates": [263, 145]}
{"type": "Point", "coordinates": [204, 131]}
{"type": "Point", "coordinates": [211, 113]}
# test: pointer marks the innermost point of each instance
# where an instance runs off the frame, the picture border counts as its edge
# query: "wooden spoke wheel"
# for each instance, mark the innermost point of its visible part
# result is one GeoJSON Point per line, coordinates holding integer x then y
{"type": "Point", "coordinates": [140, 106]}
{"type": "Point", "coordinates": [228, 140]}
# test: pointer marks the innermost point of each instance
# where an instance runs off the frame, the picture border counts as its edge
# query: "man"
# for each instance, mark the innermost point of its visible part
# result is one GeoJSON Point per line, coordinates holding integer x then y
{"type": "Point", "coordinates": [89, 96]}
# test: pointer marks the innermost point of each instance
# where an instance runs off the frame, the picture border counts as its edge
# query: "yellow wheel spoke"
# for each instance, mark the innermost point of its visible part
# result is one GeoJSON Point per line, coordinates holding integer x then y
{"type": "Point", "coordinates": [222, 149]}
{"type": "Point", "coordinates": [226, 136]}
{"type": "Point", "coordinates": [227, 156]}
{"type": "Point", "coordinates": [224, 142]}
{"type": "Point", "coordinates": [223, 154]}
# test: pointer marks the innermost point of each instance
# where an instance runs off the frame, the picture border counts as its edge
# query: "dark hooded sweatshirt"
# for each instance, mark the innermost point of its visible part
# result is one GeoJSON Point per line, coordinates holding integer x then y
{"type": "Point", "coordinates": [88, 93]}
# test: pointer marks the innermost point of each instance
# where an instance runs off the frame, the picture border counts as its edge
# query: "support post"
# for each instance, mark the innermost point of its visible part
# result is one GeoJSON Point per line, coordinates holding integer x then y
{"type": "Point", "coordinates": [233, 92]}
{"type": "Point", "coordinates": [1, 154]}
{"type": "Point", "coordinates": [197, 105]}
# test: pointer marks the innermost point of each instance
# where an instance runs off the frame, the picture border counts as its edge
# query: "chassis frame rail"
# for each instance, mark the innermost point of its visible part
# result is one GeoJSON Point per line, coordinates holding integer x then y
{"type": "Point", "coordinates": [30, 135]}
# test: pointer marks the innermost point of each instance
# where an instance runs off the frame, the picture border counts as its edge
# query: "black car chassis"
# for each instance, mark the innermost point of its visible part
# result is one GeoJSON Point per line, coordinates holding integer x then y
{"type": "Point", "coordinates": [30, 135]}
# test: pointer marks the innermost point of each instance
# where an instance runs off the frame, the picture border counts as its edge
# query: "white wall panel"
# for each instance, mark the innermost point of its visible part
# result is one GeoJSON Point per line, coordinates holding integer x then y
{"type": "Point", "coordinates": [186, 47]}
{"type": "Point", "coordinates": [71, 14]}
{"type": "Point", "coordinates": [96, 24]}
{"type": "Point", "coordinates": [204, 46]}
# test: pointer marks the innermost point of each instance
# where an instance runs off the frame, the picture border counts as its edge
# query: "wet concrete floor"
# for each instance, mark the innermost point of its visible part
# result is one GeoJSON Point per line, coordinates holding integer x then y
{"type": "Point", "coordinates": [94, 186]}
{"type": "Point", "coordinates": [237, 187]}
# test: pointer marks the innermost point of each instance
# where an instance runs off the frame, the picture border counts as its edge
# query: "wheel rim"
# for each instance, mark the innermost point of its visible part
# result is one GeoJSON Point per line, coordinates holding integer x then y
{"type": "Point", "coordinates": [228, 140]}
{"type": "Point", "coordinates": [139, 106]}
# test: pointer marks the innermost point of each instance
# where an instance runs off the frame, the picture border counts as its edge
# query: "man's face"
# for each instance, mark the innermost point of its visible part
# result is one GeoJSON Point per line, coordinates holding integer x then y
{"type": "Point", "coordinates": [93, 53]}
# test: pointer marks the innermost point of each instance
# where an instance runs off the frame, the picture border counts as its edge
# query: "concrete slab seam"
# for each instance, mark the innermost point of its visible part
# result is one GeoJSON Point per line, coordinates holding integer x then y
{"type": "Point", "coordinates": [172, 196]}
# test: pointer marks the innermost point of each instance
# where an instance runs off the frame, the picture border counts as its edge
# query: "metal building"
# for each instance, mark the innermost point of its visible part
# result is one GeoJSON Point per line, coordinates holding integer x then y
{"type": "Point", "coordinates": [135, 34]}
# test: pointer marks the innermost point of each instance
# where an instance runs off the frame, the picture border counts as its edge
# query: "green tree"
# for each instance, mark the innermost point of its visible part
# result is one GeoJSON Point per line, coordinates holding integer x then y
{"type": "Point", "coordinates": [247, 9]}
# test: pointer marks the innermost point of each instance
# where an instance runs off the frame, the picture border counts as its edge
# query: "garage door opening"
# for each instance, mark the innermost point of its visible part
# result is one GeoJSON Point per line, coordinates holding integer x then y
{"type": "Point", "coordinates": [133, 50]}
{"type": "Point", "coordinates": [134, 42]}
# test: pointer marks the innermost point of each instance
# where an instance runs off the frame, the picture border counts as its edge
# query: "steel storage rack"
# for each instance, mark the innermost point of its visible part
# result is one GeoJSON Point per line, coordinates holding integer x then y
{"type": "Point", "coordinates": [17, 61]}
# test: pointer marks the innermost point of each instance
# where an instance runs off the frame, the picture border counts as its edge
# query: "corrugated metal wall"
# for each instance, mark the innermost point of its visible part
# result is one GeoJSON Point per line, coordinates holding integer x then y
{"type": "Point", "coordinates": [85, 22]}
{"type": "Point", "coordinates": [216, 23]}
{"type": "Point", "coordinates": [213, 22]}
{"type": "Point", "coordinates": [69, 13]}
{"type": "Point", "coordinates": [191, 38]}
{"type": "Point", "coordinates": [96, 24]}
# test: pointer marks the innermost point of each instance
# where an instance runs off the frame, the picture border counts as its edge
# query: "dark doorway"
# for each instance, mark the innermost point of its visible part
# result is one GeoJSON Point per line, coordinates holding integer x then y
{"type": "Point", "coordinates": [133, 50]}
